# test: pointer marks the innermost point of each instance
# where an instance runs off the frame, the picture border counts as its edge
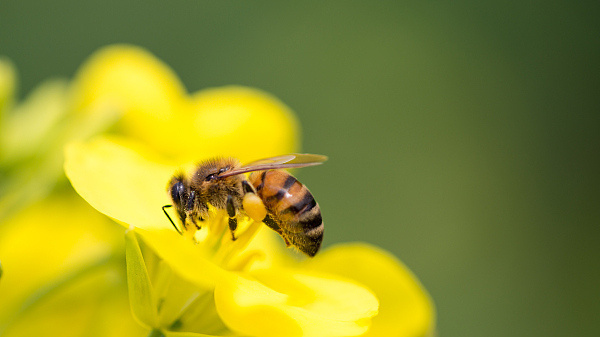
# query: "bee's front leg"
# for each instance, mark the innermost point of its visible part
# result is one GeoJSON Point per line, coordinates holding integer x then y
{"type": "Point", "coordinates": [232, 218]}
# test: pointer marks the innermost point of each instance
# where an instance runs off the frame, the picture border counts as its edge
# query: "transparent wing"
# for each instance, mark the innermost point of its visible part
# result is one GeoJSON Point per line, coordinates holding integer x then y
{"type": "Point", "coordinates": [286, 161]}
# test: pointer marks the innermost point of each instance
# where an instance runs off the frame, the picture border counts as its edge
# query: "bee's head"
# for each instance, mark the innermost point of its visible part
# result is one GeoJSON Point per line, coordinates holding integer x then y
{"type": "Point", "coordinates": [179, 192]}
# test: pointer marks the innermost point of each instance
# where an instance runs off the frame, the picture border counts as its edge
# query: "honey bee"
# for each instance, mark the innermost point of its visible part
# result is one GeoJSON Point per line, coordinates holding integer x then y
{"type": "Point", "coordinates": [270, 195]}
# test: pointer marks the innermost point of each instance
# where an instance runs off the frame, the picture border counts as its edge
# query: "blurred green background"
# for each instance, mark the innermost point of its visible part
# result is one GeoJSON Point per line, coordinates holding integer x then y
{"type": "Point", "coordinates": [463, 136]}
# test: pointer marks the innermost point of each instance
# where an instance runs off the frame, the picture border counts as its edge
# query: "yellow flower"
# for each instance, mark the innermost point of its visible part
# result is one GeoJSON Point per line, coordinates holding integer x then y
{"type": "Point", "coordinates": [32, 137]}
{"type": "Point", "coordinates": [335, 294]}
{"type": "Point", "coordinates": [61, 261]}
{"type": "Point", "coordinates": [63, 272]}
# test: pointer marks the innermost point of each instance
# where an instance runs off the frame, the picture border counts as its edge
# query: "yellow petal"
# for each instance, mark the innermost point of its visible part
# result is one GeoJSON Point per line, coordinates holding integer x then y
{"type": "Point", "coordinates": [134, 81]}
{"type": "Point", "coordinates": [242, 122]}
{"type": "Point", "coordinates": [279, 303]}
{"type": "Point", "coordinates": [48, 240]}
{"type": "Point", "coordinates": [120, 179]}
{"type": "Point", "coordinates": [179, 282]}
{"type": "Point", "coordinates": [141, 296]}
{"type": "Point", "coordinates": [32, 142]}
{"type": "Point", "coordinates": [96, 301]}
{"type": "Point", "coordinates": [60, 278]}
{"type": "Point", "coordinates": [186, 259]}
{"type": "Point", "coordinates": [229, 121]}
{"type": "Point", "coordinates": [405, 307]}
{"type": "Point", "coordinates": [32, 126]}
{"type": "Point", "coordinates": [189, 334]}
{"type": "Point", "coordinates": [130, 76]}
{"type": "Point", "coordinates": [272, 250]}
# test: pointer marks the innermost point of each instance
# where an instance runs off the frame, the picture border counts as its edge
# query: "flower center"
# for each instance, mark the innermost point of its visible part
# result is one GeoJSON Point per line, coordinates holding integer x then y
{"type": "Point", "coordinates": [222, 246]}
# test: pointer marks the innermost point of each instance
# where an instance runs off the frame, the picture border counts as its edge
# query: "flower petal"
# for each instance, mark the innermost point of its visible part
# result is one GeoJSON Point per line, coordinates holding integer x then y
{"type": "Point", "coordinates": [32, 165]}
{"type": "Point", "coordinates": [121, 180]}
{"type": "Point", "coordinates": [96, 301]}
{"type": "Point", "coordinates": [134, 81]}
{"type": "Point", "coordinates": [38, 118]}
{"type": "Point", "coordinates": [405, 308]}
{"type": "Point", "coordinates": [186, 259]}
{"type": "Point", "coordinates": [141, 296]}
{"type": "Point", "coordinates": [190, 334]}
{"type": "Point", "coordinates": [182, 282]}
{"type": "Point", "coordinates": [48, 240]}
{"type": "Point", "coordinates": [242, 122]}
{"type": "Point", "coordinates": [279, 303]}
{"type": "Point", "coordinates": [229, 121]}
{"type": "Point", "coordinates": [271, 250]}
{"type": "Point", "coordinates": [63, 272]}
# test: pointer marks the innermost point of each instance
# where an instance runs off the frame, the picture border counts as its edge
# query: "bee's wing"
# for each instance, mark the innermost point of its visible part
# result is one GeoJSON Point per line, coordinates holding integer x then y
{"type": "Point", "coordinates": [285, 161]}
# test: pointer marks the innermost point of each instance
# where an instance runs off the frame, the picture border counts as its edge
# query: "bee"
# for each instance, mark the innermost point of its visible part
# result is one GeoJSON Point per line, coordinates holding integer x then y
{"type": "Point", "coordinates": [270, 195]}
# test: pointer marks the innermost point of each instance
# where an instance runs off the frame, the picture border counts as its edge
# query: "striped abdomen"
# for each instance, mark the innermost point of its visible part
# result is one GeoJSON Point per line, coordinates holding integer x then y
{"type": "Point", "coordinates": [292, 210]}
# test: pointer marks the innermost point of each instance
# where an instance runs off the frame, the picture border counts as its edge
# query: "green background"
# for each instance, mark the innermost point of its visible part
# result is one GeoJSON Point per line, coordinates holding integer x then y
{"type": "Point", "coordinates": [463, 135]}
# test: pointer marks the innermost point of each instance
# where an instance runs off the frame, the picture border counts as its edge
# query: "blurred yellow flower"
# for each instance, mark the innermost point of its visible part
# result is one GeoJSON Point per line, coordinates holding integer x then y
{"type": "Point", "coordinates": [62, 262]}
{"type": "Point", "coordinates": [63, 272]}
{"type": "Point", "coordinates": [32, 137]}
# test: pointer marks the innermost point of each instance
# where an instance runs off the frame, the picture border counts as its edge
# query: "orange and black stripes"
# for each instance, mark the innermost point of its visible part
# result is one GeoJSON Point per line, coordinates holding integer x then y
{"type": "Point", "coordinates": [291, 207]}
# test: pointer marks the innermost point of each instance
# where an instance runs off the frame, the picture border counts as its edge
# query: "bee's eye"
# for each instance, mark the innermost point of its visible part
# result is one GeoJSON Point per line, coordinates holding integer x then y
{"type": "Point", "coordinates": [211, 177]}
{"type": "Point", "coordinates": [177, 192]}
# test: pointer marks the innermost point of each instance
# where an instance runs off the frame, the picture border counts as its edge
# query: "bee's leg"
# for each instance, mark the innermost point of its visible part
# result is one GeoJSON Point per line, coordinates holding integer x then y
{"type": "Point", "coordinates": [195, 222]}
{"type": "Point", "coordinates": [248, 188]}
{"type": "Point", "coordinates": [191, 211]}
{"type": "Point", "coordinates": [272, 224]}
{"type": "Point", "coordinates": [232, 218]}
{"type": "Point", "coordinates": [268, 220]}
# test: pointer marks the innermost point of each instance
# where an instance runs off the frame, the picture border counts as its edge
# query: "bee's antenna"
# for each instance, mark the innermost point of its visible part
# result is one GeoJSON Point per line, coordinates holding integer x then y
{"type": "Point", "coordinates": [167, 214]}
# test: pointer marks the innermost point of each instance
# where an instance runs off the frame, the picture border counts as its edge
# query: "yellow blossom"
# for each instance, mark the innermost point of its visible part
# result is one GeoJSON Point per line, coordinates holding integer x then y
{"type": "Point", "coordinates": [61, 260]}
{"type": "Point", "coordinates": [126, 182]}
{"type": "Point", "coordinates": [32, 136]}
{"type": "Point", "coordinates": [62, 272]}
